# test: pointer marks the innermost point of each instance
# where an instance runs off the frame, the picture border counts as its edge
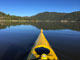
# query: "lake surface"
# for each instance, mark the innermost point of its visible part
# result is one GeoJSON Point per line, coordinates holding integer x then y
{"type": "Point", "coordinates": [17, 39]}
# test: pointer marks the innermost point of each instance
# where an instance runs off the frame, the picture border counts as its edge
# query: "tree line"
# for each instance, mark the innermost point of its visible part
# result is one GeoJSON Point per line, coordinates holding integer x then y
{"type": "Point", "coordinates": [51, 16]}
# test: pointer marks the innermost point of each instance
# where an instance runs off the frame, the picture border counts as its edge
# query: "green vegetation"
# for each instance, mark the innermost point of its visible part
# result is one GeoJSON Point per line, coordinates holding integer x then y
{"type": "Point", "coordinates": [74, 16]}
{"type": "Point", "coordinates": [49, 16]}
{"type": "Point", "coordinates": [4, 16]}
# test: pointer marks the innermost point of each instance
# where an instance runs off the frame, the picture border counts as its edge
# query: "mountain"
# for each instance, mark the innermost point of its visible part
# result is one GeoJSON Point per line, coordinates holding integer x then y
{"type": "Point", "coordinates": [50, 16]}
{"type": "Point", "coordinates": [75, 16]}
{"type": "Point", "coordinates": [58, 16]}
{"type": "Point", "coordinates": [4, 16]}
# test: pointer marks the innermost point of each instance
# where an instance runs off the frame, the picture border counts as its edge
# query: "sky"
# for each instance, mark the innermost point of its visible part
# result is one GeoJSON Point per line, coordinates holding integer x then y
{"type": "Point", "coordinates": [33, 7]}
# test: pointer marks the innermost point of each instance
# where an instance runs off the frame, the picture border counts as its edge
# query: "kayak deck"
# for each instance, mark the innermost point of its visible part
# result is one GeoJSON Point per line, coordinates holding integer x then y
{"type": "Point", "coordinates": [42, 42]}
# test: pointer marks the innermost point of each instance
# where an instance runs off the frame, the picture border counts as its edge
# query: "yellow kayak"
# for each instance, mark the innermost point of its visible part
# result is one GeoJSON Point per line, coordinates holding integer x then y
{"type": "Point", "coordinates": [42, 49]}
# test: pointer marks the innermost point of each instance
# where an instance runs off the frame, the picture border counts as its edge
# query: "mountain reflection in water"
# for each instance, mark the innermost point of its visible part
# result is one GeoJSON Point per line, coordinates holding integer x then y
{"type": "Point", "coordinates": [45, 25]}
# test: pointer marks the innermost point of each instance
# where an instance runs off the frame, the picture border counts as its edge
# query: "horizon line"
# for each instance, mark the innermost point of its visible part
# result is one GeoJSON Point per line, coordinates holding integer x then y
{"type": "Point", "coordinates": [38, 13]}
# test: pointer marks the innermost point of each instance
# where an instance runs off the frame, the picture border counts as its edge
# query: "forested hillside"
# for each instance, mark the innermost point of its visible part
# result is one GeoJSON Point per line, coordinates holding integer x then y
{"type": "Point", "coordinates": [58, 16]}
{"type": "Point", "coordinates": [4, 16]}
{"type": "Point", "coordinates": [51, 16]}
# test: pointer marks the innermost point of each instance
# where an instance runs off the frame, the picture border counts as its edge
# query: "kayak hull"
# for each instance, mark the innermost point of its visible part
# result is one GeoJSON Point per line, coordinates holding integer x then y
{"type": "Point", "coordinates": [42, 42]}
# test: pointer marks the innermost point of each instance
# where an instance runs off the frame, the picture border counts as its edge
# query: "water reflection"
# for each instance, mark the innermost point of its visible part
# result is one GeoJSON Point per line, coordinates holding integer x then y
{"type": "Point", "coordinates": [45, 25]}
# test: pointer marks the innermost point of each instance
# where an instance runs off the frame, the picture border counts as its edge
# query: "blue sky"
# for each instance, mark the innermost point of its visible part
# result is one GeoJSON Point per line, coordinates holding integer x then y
{"type": "Point", "coordinates": [32, 7]}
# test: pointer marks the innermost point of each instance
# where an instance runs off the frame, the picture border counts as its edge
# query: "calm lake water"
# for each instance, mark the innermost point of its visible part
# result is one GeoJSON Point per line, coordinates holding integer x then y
{"type": "Point", "coordinates": [17, 39]}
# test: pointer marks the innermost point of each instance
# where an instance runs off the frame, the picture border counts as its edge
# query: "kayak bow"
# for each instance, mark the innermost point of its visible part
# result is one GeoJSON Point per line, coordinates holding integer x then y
{"type": "Point", "coordinates": [42, 49]}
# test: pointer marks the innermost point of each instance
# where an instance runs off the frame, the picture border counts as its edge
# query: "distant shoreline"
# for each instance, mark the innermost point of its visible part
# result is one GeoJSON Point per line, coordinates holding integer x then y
{"type": "Point", "coordinates": [62, 21]}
